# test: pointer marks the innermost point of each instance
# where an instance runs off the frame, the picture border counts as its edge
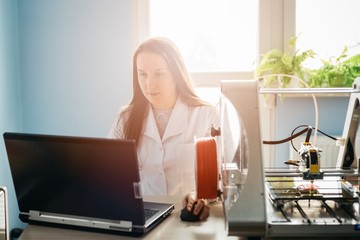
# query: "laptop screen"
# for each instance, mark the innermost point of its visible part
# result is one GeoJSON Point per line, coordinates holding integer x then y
{"type": "Point", "coordinates": [90, 177]}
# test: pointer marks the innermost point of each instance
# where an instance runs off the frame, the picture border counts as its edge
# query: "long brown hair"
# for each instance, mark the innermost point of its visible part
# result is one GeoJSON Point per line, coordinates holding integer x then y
{"type": "Point", "coordinates": [134, 115]}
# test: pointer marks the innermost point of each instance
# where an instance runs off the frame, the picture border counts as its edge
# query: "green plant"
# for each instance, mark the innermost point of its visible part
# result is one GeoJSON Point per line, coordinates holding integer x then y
{"type": "Point", "coordinates": [288, 62]}
{"type": "Point", "coordinates": [336, 71]}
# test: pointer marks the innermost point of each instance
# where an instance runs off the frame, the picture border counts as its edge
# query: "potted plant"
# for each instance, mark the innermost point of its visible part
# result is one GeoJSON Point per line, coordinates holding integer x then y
{"type": "Point", "coordinates": [276, 68]}
{"type": "Point", "coordinates": [288, 63]}
{"type": "Point", "coordinates": [336, 71]}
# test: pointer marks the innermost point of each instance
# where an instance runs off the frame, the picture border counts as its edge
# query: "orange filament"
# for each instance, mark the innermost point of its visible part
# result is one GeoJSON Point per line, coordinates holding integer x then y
{"type": "Point", "coordinates": [206, 168]}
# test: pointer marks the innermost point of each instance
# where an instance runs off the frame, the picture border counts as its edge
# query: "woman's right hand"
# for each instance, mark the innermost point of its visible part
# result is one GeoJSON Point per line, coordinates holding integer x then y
{"type": "Point", "coordinates": [202, 206]}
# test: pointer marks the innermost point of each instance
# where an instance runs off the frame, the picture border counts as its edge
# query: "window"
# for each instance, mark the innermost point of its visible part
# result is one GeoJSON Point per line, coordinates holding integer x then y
{"type": "Point", "coordinates": [223, 39]}
{"type": "Point", "coordinates": [326, 26]}
{"type": "Point", "coordinates": [217, 38]}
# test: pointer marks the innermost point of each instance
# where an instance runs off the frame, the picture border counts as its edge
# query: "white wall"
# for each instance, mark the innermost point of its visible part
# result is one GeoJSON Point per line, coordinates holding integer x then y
{"type": "Point", "coordinates": [65, 68]}
{"type": "Point", "coordinates": [10, 114]}
{"type": "Point", "coordinates": [75, 60]}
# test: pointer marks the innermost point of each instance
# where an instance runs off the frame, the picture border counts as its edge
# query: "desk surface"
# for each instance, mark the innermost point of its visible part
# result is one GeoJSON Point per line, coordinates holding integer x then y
{"type": "Point", "coordinates": [171, 228]}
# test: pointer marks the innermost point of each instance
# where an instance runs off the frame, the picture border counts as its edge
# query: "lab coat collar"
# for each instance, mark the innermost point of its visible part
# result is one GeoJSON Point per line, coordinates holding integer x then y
{"type": "Point", "coordinates": [178, 122]}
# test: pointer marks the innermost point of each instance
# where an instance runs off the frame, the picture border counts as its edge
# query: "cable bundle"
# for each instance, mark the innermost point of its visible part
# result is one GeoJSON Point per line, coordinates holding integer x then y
{"type": "Point", "coordinates": [206, 168]}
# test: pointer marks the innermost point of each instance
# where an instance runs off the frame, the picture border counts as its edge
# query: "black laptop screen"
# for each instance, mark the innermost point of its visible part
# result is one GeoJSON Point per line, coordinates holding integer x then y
{"type": "Point", "coordinates": [80, 176]}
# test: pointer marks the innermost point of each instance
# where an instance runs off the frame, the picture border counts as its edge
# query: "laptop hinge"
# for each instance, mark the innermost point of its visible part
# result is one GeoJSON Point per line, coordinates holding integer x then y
{"type": "Point", "coordinates": [125, 226]}
{"type": "Point", "coordinates": [137, 190]}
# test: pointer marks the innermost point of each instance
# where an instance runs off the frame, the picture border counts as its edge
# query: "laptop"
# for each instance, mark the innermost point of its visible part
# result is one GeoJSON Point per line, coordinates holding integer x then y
{"type": "Point", "coordinates": [80, 182]}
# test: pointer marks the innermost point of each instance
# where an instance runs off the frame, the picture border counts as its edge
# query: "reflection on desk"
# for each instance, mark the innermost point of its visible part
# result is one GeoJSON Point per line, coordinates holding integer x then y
{"type": "Point", "coordinates": [171, 228]}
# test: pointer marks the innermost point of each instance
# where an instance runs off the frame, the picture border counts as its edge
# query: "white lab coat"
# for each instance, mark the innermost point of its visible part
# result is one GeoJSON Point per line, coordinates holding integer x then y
{"type": "Point", "coordinates": [167, 165]}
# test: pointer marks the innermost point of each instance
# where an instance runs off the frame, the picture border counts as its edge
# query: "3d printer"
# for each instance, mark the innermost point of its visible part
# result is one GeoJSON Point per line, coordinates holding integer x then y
{"type": "Point", "coordinates": [302, 201]}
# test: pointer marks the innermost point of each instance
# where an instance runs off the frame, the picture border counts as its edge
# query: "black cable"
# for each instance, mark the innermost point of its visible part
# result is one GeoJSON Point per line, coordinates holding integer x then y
{"type": "Point", "coordinates": [308, 134]}
{"type": "Point", "coordinates": [305, 130]}
{"type": "Point", "coordinates": [307, 126]}
{"type": "Point", "coordinates": [286, 139]}
{"type": "Point", "coordinates": [295, 135]}
{"type": "Point", "coordinates": [327, 135]}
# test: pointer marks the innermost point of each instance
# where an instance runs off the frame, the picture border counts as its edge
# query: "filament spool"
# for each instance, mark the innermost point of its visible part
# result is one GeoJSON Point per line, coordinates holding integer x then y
{"type": "Point", "coordinates": [206, 168]}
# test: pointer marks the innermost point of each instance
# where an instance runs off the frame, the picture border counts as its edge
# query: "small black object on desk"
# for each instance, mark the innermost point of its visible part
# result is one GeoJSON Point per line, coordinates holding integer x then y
{"type": "Point", "coordinates": [189, 216]}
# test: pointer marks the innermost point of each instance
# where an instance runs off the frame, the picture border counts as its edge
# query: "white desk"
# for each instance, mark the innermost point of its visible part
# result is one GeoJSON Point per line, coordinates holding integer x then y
{"type": "Point", "coordinates": [171, 228]}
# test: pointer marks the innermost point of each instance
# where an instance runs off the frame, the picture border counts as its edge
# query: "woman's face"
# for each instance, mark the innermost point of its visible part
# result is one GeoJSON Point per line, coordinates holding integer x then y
{"type": "Point", "coordinates": [156, 81]}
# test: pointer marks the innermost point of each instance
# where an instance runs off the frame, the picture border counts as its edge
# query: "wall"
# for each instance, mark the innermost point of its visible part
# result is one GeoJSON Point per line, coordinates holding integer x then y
{"type": "Point", "coordinates": [10, 110]}
{"type": "Point", "coordinates": [65, 68]}
{"type": "Point", "coordinates": [75, 61]}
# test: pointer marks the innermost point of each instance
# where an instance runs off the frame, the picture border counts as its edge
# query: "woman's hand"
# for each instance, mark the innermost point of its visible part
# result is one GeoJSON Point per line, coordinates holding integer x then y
{"type": "Point", "coordinates": [202, 208]}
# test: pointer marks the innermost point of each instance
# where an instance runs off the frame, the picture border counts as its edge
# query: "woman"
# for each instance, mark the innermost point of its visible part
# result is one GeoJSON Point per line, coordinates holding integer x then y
{"type": "Point", "coordinates": [164, 116]}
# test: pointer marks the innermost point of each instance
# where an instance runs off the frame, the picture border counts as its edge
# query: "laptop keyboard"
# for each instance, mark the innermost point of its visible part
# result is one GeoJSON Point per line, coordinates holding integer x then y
{"type": "Point", "coordinates": [150, 212]}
